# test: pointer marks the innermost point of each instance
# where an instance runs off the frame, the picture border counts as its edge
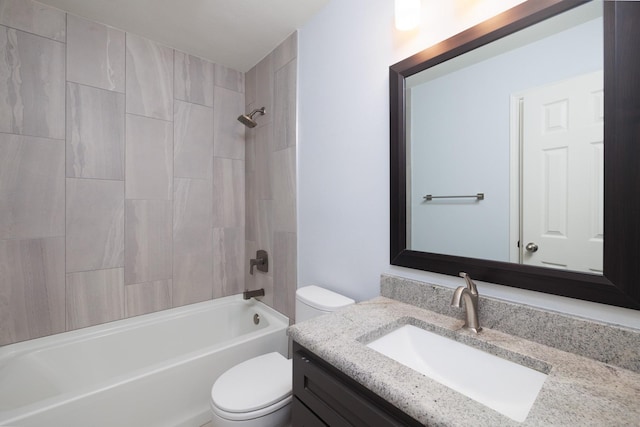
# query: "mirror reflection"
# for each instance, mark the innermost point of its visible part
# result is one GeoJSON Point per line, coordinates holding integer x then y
{"type": "Point", "coordinates": [519, 121]}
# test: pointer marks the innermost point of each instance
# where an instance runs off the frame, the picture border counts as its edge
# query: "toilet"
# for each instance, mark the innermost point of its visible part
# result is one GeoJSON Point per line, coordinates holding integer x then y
{"type": "Point", "coordinates": [257, 392]}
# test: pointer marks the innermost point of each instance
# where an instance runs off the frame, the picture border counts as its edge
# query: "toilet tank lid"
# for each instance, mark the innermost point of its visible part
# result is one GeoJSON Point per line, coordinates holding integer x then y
{"type": "Point", "coordinates": [322, 299]}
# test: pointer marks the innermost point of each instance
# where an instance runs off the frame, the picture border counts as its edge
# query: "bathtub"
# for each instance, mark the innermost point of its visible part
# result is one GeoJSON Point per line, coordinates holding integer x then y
{"type": "Point", "coordinates": [151, 370]}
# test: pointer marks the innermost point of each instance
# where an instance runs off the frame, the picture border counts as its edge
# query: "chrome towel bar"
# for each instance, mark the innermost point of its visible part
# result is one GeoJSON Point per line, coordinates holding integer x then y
{"type": "Point", "coordinates": [479, 196]}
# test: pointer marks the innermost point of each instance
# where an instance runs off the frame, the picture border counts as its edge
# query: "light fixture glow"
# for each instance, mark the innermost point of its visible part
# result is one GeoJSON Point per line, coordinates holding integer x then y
{"type": "Point", "coordinates": [407, 14]}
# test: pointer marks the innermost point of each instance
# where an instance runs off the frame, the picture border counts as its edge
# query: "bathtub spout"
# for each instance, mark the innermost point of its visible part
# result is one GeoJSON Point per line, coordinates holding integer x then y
{"type": "Point", "coordinates": [251, 294]}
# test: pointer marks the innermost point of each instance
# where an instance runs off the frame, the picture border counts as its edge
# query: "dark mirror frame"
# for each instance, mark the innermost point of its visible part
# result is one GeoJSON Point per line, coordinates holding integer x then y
{"type": "Point", "coordinates": [620, 283]}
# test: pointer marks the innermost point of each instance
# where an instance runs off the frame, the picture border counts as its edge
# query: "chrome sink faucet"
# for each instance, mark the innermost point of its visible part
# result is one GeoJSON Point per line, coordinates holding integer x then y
{"type": "Point", "coordinates": [470, 296]}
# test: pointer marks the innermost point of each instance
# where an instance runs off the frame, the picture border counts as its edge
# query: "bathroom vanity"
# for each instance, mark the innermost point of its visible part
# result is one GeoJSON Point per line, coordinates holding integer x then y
{"type": "Point", "coordinates": [593, 369]}
{"type": "Point", "coordinates": [325, 396]}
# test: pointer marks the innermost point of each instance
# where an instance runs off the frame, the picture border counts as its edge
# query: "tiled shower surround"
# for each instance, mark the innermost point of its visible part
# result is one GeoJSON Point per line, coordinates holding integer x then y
{"type": "Point", "coordinates": [122, 174]}
{"type": "Point", "coordinates": [271, 175]}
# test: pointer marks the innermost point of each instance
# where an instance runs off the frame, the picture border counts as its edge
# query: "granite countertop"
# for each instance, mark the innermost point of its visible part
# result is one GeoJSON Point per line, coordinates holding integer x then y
{"type": "Point", "coordinates": [578, 391]}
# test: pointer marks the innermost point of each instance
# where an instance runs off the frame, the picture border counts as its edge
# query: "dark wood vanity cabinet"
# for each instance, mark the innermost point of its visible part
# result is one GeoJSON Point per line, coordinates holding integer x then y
{"type": "Point", "coordinates": [324, 396]}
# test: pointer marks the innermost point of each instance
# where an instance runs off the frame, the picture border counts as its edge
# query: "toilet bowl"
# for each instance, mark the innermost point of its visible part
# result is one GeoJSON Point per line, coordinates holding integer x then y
{"type": "Point", "coordinates": [258, 392]}
{"type": "Point", "coordinates": [254, 393]}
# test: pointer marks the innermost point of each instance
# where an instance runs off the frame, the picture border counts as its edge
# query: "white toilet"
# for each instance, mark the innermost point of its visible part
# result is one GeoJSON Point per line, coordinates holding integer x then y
{"type": "Point", "coordinates": [257, 392]}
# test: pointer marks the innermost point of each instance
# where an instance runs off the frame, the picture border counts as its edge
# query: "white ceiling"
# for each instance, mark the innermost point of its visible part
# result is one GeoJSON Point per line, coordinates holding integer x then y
{"type": "Point", "coordinates": [234, 33]}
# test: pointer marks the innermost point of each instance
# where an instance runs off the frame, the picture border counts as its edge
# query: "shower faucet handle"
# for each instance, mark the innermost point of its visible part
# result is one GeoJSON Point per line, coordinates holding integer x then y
{"type": "Point", "coordinates": [261, 261]}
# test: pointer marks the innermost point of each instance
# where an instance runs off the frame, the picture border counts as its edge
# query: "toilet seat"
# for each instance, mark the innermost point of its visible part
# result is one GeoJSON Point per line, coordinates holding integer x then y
{"type": "Point", "coordinates": [253, 388]}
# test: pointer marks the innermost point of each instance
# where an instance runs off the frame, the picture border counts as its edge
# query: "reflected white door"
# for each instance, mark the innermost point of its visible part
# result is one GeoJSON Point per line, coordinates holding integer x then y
{"type": "Point", "coordinates": [562, 174]}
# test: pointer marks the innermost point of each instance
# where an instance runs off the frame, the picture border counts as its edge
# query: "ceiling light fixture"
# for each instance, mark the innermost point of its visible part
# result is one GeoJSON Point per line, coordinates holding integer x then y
{"type": "Point", "coordinates": [407, 14]}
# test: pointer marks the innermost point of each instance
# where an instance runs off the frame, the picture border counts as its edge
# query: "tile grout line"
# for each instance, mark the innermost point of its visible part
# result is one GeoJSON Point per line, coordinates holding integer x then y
{"type": "Point", "coordinates": [66, 102]}
{"type": "Point", "coordinates": [124, 192]}
{"type": "Point", "coordinates": [173, 175]}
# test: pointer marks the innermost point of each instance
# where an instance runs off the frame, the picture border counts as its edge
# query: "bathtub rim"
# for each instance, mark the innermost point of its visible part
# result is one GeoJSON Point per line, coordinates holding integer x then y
{"type": "Point", "coordinates": [277, 323]}
{"type": "Point", "coordinates": [9, 351]}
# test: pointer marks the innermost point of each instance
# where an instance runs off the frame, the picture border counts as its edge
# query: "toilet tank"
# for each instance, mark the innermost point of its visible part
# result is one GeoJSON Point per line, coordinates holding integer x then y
{"type": "Point", "coordinates": [312, 301]}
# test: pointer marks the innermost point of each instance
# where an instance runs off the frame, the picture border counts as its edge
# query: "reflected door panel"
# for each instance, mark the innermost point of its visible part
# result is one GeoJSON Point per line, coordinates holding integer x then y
{"type": "Point", "coordinates": [562, 174]}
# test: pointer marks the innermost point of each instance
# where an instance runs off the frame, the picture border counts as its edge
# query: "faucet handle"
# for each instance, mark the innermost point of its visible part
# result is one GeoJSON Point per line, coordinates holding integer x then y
{"type": "Point", "coordinates": [261, 261]}
{"type": "Point", "coordinates": [470, 285]}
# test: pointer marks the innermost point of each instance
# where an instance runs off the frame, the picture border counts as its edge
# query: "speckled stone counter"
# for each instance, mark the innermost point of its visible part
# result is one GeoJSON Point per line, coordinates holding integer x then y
{"type": "Point", "coordinates": [612, 344]}
{"type": "Point", "coordinates": [578, 391]}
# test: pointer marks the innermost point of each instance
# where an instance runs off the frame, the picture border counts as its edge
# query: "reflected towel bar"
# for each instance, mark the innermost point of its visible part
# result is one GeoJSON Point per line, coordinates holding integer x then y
{"type": "Point", "coordinates": [479, 196]}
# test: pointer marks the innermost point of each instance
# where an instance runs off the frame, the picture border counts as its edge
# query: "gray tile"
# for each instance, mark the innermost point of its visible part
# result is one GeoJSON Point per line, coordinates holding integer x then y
{"type": "Point", "coordinates": [251, 207]}
{"type": "Point", "coordinates": [251, 197]}
{"type": "Point", "coordinates": [32, 17]}
{"type": "Point", "coordinates": [250, 86]}
{"type": "Point", "coordinates": [285, 273]}
{"type": "Point", "coordinates": [31, 187]}
{"type": "Point", "coordinates": [193, 133]}
{"type": "Point", "coordinates": [148, 240]}
{"type": "Point", "coordinates": [95, 224]}
{"type": "Point", "coordinates": [250, 149]}
{"type": "Point", "coordinates": [192, 204]}
{"type": "Point", "coordinates": [192, 266]}
{"type": "Point", "coordinates": [284, 190]}
{"type": "Point", "coordinates": [284, 106]}
{"type": "Point", "coordinates": [143, 298]}
{"type": "Point", "coordinates": [228, 193]}
{"type": "Point", "coordinates": [250, 248]}
{"type": "Point", "coordinates": [192, 241]}
{"type": "Point", "coordinates": [94, 297]}
{"type": "Point", "coordinates": [95, 133]}
{"type": "Point", "coordinates": [263, 161]}
{"type": "Point", "coordinates": [31, 288]}
{"type": "Point", "coordinates": [264, 281]}
{"type": "Point", "coordinates": [149, 78]}
{"type": "Point", "coordinates": [95, 54]}
{"type": "Point", "coordinates": [228, 138]}
{"type": "Point", "coordinates": [264, 86]}
{"type": "Point", "coordinates": [264, 226]}
{"type": "Point", "coordinates": [286, 51]}
{"type": "Point", "coordinates": [228, 261]}
{"type": "Point", "coordinates": [32, 77]}
{"type": "Point", "coordinates": [193, 79]}
{"type": "Point", "coordinates": [149, 158]}
{"type": "Point", "coordinates": [229, 78]}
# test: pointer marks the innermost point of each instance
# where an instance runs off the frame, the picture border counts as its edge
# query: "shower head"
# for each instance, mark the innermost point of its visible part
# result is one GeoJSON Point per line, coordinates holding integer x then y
{"type": "Point", "coordinates": [247, 119]}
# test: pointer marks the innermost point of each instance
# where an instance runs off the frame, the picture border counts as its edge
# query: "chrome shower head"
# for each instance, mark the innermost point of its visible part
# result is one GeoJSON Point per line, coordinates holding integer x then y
{"type": "Point", "coordinates": [247, 119]}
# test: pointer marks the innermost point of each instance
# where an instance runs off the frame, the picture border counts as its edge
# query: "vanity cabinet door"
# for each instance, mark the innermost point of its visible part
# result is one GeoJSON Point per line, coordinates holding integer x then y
{"type": "Point", "coordinates": [303, 417]}
{"type": "Point", "coordinates": [337, 400]}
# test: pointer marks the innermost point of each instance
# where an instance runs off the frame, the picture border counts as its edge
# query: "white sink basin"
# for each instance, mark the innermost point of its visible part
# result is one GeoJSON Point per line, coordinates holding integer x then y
{"type": "Point", "coordinates": [502, 385]}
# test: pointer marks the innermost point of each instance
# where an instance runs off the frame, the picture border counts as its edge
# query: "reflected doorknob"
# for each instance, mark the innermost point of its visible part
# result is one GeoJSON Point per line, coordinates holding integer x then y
{"type": "Point", "coordinates": [531, 247]}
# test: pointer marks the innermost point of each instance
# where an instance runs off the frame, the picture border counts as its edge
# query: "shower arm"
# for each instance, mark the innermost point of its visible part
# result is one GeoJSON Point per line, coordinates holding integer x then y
{"type": "Point", "coordinates": [257, 110]}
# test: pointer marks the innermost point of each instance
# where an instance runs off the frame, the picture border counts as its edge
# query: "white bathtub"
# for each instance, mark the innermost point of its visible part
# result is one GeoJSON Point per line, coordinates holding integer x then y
{"type": "Point", "coordinates": [151, 370]}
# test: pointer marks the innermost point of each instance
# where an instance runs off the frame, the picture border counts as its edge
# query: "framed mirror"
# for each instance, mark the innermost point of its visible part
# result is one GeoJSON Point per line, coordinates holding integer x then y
{"type": "Point", "coordinates": [462, 114]}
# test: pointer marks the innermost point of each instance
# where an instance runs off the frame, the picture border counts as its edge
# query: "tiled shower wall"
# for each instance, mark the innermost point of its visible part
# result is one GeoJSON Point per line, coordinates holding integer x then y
{"type": "Point", "coordinates": [122, 175]}
{"type": "Point", "coordinates": [271, 174]}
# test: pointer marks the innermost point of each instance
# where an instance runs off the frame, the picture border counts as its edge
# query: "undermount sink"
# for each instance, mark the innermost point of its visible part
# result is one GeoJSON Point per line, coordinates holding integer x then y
{"type": "Point", "coordinates": [500, 384]}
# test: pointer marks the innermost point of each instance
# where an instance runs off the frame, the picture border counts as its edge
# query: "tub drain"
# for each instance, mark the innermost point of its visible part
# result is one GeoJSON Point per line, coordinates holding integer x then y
{"type": "Point", "coordinates": [256, 318]}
